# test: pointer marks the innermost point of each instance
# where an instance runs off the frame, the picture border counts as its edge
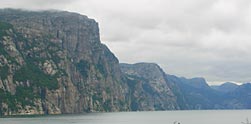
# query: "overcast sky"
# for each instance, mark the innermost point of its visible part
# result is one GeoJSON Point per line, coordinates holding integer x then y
{"type": "Point", "coordinates": [191, 38]}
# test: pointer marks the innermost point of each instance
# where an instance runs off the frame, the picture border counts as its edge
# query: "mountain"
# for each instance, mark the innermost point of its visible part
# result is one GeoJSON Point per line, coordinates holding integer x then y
{"type": "Point", "coordinates": [197, 93]}
{"type": "Point", "coordinates": [240, 97]}
{"type": "Point", "coordinates": [226, 87]}
{"type": "Point", "coordinates": [148, 87]}
{"type": "Point", "coordinates": [201, 96]}
{"type": "Point", "coordinates": [53, 62]}
{"type": "Point", "coordinates": [236, 96]}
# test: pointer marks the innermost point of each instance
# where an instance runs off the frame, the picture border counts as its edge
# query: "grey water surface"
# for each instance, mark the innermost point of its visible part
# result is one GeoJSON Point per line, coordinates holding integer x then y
{"type": "Point", "coordinates": [159, 117]}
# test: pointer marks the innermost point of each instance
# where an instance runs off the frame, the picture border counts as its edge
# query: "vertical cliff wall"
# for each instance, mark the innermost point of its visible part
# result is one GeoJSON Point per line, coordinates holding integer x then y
{"type": "Point", "coordinates": [53, 62]}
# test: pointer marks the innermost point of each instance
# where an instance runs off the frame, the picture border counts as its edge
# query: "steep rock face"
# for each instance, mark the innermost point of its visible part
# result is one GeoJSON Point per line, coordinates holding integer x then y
{"type": "Point", "coordinates": [149, 90]}
{"type": "Point", "coordinates": [57, 62]}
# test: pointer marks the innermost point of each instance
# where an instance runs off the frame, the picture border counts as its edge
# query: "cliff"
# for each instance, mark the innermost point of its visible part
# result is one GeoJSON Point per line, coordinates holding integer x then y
{"type": "Point", "coordinates": [149, 89]}
{"type": "Point", "coordinates": [53, 62]}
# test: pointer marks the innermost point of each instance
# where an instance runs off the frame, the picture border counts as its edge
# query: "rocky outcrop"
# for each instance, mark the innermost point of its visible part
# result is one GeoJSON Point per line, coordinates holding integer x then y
{"type": "Point", "coordinates": [54, 61]}
{"type": "Point", "coordinates": [149, 89]}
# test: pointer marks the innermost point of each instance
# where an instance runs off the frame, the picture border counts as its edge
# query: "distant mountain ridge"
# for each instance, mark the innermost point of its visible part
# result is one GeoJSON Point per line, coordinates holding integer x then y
{"type": "Point", "coordinates": [225, 87]}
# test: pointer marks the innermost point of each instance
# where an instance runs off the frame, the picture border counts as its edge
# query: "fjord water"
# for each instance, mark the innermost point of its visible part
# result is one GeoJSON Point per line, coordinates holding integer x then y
{"type": "Point", "coordinates": [159, 117]}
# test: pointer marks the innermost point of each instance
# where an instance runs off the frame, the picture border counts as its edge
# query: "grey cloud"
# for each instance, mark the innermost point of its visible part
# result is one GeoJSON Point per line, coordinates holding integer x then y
{"type": "Point", "coordinates": [36, 4]}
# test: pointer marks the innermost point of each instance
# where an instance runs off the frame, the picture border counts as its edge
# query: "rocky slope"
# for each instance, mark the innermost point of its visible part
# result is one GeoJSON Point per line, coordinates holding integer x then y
{"type": "Point", "coordinates": [149, 90]}
{"type": "Point", "coordinates": [53, 62]}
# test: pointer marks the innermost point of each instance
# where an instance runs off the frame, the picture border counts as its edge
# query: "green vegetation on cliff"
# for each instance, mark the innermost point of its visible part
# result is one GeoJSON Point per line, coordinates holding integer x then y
{"type": "Point", "coordinates": [37, 77]}
{"type": "Point", "coordinates": [7, 98]}
{"type": "Point", "coordinates": [4, 72]}
{"type": "Point", "coordinates": [83, 67]}
{"type": "Point", "coordinates": [27, 76]}
{"type": "Point", "coordinates": [3, 27]}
